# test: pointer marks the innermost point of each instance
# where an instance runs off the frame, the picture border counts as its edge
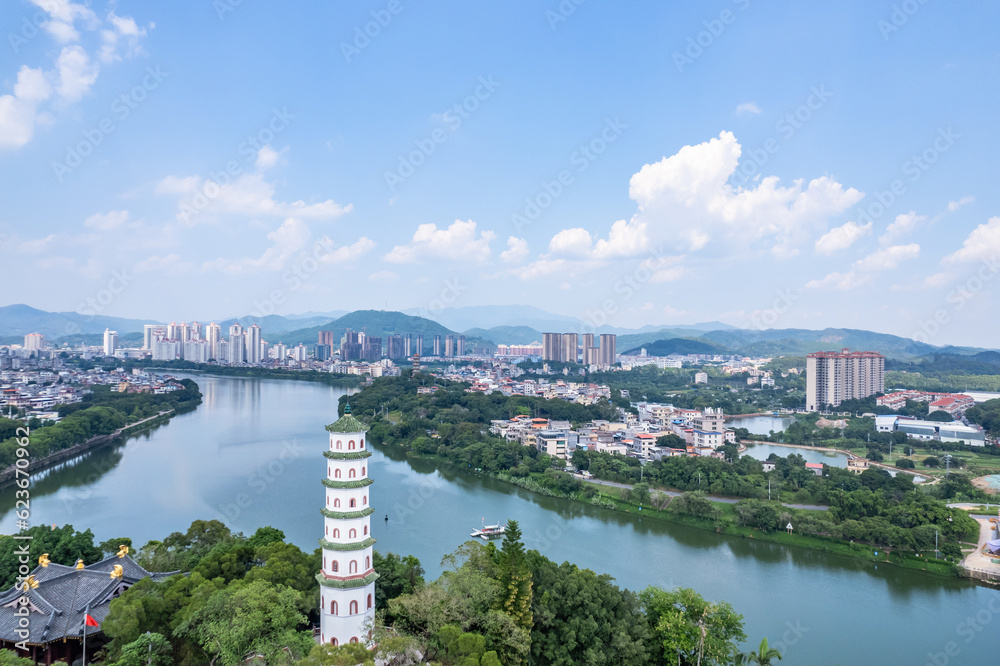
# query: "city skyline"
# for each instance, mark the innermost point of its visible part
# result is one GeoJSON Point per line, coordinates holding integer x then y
{"type": "Point", "coordinates": [663, 178]}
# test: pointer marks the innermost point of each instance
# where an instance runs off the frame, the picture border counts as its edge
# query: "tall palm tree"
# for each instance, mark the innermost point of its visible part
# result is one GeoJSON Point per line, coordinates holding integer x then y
{"type": "Point", "coordinates": [762, 656]}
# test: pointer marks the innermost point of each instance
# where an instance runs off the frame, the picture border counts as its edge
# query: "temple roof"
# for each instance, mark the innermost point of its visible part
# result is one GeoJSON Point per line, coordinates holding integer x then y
{"type": "Point", "coordinates": [347, 423]}
{"type": "Point", "coordinates": [64, 595]}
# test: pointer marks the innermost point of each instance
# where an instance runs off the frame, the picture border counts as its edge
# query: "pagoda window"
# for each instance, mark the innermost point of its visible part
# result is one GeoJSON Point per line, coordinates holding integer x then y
{"type": "Point", "coordinates": [336, 474]}
{"type": "Point", "coordinates": [335, 568]}
{"type": "Point", "coordinates": [354, 502]}
{"type": "Point", "coordinates": [351, 473]}
{"type": "Point", "coordinates": [353, 533]}
{"type": "Point", "coordinates": [336, 503]}
{"type": "Point", "coordinates": [366, 529]}
{"type": "Point", "coordinates": [350, 445]}
{"type": "Point", "coordinates": [368, 565]}
{"type": "Point", "coordinates": [336, 533]}
{"type": "Point", "coordinates": [364, 499]}
{"type": "Point", "coordinates": [369, 601]}
{"type": "Point", "coordinates": [354, 611]}
{"type": "Point", "coordinates": [340, 444]}
{"type": "Point", "coordinates": [333, 609]}
{"type": "Point", "coordinates": [362, 443]}
{"type": "Point", "coordinates": [353, 567]}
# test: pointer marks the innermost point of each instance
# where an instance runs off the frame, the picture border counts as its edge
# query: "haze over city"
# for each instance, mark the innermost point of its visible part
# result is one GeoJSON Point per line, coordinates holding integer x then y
{"type": "Point", "coordinates": [760, 164]}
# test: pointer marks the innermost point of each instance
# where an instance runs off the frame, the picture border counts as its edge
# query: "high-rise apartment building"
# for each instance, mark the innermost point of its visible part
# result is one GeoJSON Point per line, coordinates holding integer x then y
{"type": "Point", "coordinates": [197, 331]}
{"type": "Point", "coordinates": [460, 346]}
{"type": "Point", "coordinates": [408, 345]}
{"type": "Point", "coordinates": [237, 345]}
{"type": "Point", "coordinates": [394, 347]}
{"type": "Point", "coordinates": [832, 377]}
{"type": "Point", "coordinates": [449, 346]}
{"type": "Point", "coordinates": [325, 338]}
{"type": "Point", "coordinates": [110, 342]}
{"type": "Point", "coordinates": [551, 347]}
{"type": "Point", "coordinates": [568, 348]}
{"type": "Point", "coordinates": [322, 352]}
{"type": "Point", "coordinates": [252, 339]}
{"type": "Point", "coordinates": [213, 335]}
{"type": "Point", "coordinates": [371, 348]}
{"type": "Point", "coordinates": [437, 345]}
{"type": "Point", "coordinates": [350, 346]}
{"type": "Point", "coordinates": [608, 354]}
{"type": "Point", "coordinates": [419, 347]}
{"type": "Point", "coordinates": [34, 341]}
{"type": "Point", "coordinates": [184, 332]}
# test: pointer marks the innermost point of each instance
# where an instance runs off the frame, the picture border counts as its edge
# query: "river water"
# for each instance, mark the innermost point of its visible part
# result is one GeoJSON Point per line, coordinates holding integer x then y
{"type": "Point", "coordinates": [251, 455]}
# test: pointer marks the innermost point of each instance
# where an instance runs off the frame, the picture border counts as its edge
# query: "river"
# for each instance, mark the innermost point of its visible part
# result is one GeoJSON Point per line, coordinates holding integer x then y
{"type": "Point", "coordinates": [251, 455]}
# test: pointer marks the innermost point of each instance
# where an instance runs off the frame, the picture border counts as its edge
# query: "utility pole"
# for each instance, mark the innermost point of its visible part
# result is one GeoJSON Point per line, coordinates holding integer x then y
{"type": "Point", "coordinates": [935, 544]}
{"type": "Point", "coordinates": [768, 489]}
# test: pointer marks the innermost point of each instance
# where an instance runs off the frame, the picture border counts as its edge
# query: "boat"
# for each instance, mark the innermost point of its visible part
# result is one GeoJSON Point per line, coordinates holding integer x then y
{"type": "Point", "coordinates": [487, 532]}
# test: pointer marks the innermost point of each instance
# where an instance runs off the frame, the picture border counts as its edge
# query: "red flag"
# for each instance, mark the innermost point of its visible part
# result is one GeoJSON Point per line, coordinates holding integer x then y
{"type": "Point", "coordinates": [90, 621]}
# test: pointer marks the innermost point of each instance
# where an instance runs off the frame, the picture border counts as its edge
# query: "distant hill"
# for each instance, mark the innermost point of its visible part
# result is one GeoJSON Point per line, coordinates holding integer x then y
{"type": "Point", "coordinates": [506, 335]}
{"type": "Point", "coordinates": [678, 346]}
{"type": "Point", "coordinates": [492, 316]}
{"type": "Point", "coordinates": [19, 320]}
{"type": "Point", "coordinates": [378, 323]}
{"type": "Point", "coordinates": [797, 341]}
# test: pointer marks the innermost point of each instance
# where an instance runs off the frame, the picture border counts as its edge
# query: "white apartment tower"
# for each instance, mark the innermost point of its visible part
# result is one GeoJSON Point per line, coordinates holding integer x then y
{"type": "Point", "coordinates": [253, 344]}
{"type": "Point", "coordinates": [347, 580]}
{"type": "Point", "coordinates": [110, 342]}
{"type": "Point", "coordinates": [237, 346]}
{"type": "Point", "coordinates": [213, 334]}
{"type": "Point", "coordinates": [832, 377]}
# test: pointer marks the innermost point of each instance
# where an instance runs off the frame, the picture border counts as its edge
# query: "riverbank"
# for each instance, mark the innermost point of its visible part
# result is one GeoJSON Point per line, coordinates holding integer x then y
{"type": "Point", "coordinates": [328, 378]}
{"type": "Point", "coordinates": [724, 525]}
{"type": "Point", "coordinates": [8, 476]}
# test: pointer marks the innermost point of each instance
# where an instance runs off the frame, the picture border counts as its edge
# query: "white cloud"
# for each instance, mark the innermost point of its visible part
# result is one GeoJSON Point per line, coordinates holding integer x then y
{"type": "Point", "coordinates": [287, 240]}
{"type": "Point", "coordinates": [571, 242]}
{"type": "Point", "coordinates": [345, 253]}
{"type": "Point", "coordinates": [626, 239]}
{"type": "Point", "coordinates": [517, 250]}
{"type": "Point", "coordinates": [688, 196]}
{"type": "Point", "coordinates": [459, 242]}
{"type": "Point", "coordinates": [383, 276]}
{"type": "Point", "coordinates": [268, 157]}
{"type": "Point", "coordinates": [842, 237]}
{"type": "Point", "coordinates": [38, 245]}
{"type": "Point", "coordinates": [248, 194]}
{"type": "Point", "coordinates": [864, 269]}
{"type": "Point", "coordinates": [76, 73]}
{"type": "Point", "coordinates": [63, 15]}
{"type": "Point", "coordinates": [125, 30]}
{"type": "Point", "coordinates": [107, 221]}
{"type": "Point", "coordinates": [748, 107]}
{"type": "Point", "coordinates": [955, 205]}
{"type": "Point", "coordinates": [983, 244]}
{"type": "Point", "coordinates": [18, 112]}
{"type": "Point", "coordinates": [901, 226]}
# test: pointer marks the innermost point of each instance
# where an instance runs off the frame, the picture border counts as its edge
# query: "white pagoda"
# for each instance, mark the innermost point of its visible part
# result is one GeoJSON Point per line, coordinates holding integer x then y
{"type": "Point", "coordinates": [347, 581]}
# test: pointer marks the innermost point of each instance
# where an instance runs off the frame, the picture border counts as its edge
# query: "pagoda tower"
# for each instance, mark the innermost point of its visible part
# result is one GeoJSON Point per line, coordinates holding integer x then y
{"type": "Point", "coordinates": [347, 581]}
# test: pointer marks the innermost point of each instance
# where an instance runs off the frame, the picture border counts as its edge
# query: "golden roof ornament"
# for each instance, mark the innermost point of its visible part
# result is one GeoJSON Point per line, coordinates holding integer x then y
{"type": "Point", "coordinates": [122, 551]}
{"type": "Point", "coordinates": [117, 572]}
{"type": "Point", "coordinates": [30, 582]}
{"type": "Point", "coordinates": [79, 564]}
{"type": "Point", "coordinates": [44, 560]}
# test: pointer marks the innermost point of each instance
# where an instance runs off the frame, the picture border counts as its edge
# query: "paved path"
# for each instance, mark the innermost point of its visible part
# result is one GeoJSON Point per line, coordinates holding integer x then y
{"type": "Point", "coordinates": [714, 498]}
{"type": "Point", "coordinates": [976, 560]}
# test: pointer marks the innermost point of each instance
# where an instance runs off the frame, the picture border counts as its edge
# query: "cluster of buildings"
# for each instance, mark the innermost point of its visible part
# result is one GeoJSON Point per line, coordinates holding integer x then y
{"type": "Point", "coordinates": [954, 432]}
{"type": "Point", "coordinates": [567, 348]}
{"type": "Point", "coordinates": [954, 404]}
{"type": "Point", "coordinates": [40, 391]}
{"type": "Point", "coordinates": [832, 377]}
{"type": "Point", "coordinates": [358, 346]}
{"type": "Point", "coordinates": [702, 432]}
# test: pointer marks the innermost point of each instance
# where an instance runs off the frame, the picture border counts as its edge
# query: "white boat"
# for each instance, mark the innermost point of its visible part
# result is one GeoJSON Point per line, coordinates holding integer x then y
{"type": "Point", "coordinates": [488, 532]}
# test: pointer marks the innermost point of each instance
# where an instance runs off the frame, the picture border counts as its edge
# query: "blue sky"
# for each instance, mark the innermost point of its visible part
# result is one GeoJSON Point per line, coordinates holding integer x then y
{"type": "Point", "coordinates": [765, 164]}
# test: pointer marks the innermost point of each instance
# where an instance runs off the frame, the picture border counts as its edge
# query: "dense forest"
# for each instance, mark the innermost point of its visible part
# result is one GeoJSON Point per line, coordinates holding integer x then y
{"type": "Point", "coordinates": [99, 413]}
{"type": "Point", "coordinates": [491, 606]}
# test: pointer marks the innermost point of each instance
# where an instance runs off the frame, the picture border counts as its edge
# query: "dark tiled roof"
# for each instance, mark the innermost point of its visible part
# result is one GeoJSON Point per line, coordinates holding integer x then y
{"type": "Point", "coordinates": [65, 595]}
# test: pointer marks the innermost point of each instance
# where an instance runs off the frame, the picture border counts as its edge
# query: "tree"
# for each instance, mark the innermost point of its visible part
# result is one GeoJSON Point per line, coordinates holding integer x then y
{"type": "Point", "coordinates": [690, 630]}
{"type": "Point", "coordinates": [671, 441]}
{"type": "Point", "coordinates": [762, 656]}
{"type": "Point", "coordinates": [904, 463]}
{"type": "Point", "coordinates": [932, 461]}
{"type": "Point", "coordinates": [515, 579]}
{"type": "Point", "coordinates": [150, 649]}
{"type": "Point", "coordinates": [264, 536]}
{"type": "Point", "coordinates": [396, 576]}
{"type": "Point", "coordinates": [256, 617]}
{"type": "Point", "coordinates": [349, 654]}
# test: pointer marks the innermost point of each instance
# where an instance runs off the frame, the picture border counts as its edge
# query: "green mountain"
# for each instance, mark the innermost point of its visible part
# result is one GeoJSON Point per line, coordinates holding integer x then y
{"type": "Point", "coordinates": [379, 323]}
{"type": "Point", "coordinates": [274, 326]}
{"type": "Point", "coordinates": [19, 320]}
{"type": "Point", "coordinates": [506, 335]}
{"type": "Point", "coordinates": [679, 346]}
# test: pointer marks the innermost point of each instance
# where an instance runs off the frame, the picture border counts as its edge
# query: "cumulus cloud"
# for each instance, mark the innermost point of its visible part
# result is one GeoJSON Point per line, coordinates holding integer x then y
{"type": "Point", "coordinates": [901, 226]}
{"type": "Point", "coordinates": [268, 157]}
{"type": "Point", "coordinates": [345, 253]}
{"type": "Point", "coordinates": [107, 221]}
{"type": "Point", "coordinates": [983, 244]}
{"type": "Point", "coordinates": [964, 201]}
{"type": "Point", "coordinates": [288, 239]}
{"type": "Point", "coordinates": [864, 269]}
{"type": "Point", "coordinates": [459, 242]}
{"type": "Point", "coordinates": [626, 239]}
{"type": "Point", "coordinates": [72, 73]}
{"type": "Point", "coordinates": [517, 250]}
{"type": "Point", "coordinates": [688, 196]}
{"type": "Point", "coordinates": [748, 107]}
{"type": "Point", "coordinates": [842, 237]}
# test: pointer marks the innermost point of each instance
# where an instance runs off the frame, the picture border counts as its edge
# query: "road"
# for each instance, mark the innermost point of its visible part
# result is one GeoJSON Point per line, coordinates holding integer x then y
{"type": "Point", "coordinates": [714, 498]}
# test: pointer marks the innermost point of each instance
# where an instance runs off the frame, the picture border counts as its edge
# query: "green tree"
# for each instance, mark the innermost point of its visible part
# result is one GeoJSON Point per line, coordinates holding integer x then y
{"type": "Point", "coordinates": [396, 575]}
{"type": "Point", "coordinates": [350, 654]}
{"type": "Point", "coordinates": [762, 656]}
{"type": "Point", "coordinates": [264, 536]}
{"type": "Point", "coordinates": [515, 579]}
{"type": "Point", "coordinates": [690, 630]}
{"type": "Point", "coordinates": [932, 461]}
{"type": "Point", "coordinates": [256, 617]}
{"type": "Point", "coordinates": [150, 649]}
